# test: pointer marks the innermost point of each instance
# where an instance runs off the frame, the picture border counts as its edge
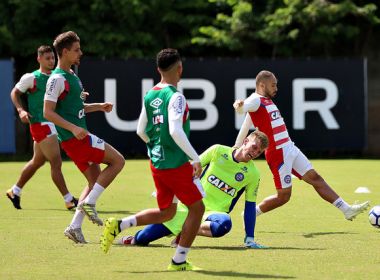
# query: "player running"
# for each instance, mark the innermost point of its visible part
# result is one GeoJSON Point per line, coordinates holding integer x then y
{"type": "Point", "coordinates": [229, 173]}
{"type": "Point", "coordinates": [65, 107]}
{"type": "Point", "coordinates": [283, 157]}
{"type": "Point", "coordinates": [43, 132]}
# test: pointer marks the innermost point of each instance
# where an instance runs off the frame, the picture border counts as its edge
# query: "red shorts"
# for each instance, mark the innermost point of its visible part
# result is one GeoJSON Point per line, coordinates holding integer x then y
{"type": "Point", "coordinates": [40, 131]}
{"type": "Point", "coordinates": [84, 152]}
{"type": "Point", "coordinates": [175, 182]}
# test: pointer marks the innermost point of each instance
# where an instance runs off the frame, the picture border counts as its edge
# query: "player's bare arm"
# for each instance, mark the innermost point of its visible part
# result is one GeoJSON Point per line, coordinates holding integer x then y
{"type": "Point", "coordinates": [51, 115]}
{"type": "Point", "coordinates": [22, 113]}
{"type": "Point", "coordinates": [93, 107]}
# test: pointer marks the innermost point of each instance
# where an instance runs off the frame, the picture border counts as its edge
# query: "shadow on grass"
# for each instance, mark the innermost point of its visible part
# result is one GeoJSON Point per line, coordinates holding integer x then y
{"type": "Point", "coordinates": [122, 212]}
{"type": "Point", "coordinates": [105, 212]}
{"type": "Point", "coordinates": [218, 273]}
{"type": "Point", "coordinates": [243, 248]}
{"type": "Point", "coordinates": [315, 234]}
{"type": "Point", "coordinates": [226, 248]}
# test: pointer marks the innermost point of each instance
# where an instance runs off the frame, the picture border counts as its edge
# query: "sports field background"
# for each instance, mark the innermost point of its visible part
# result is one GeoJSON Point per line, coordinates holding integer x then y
{"type": "Point", "coordinates": [309, 238]}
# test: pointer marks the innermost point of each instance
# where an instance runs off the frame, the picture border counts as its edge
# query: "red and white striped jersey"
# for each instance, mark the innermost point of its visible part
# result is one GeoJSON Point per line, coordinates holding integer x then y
{"type": "Point", "coordinates": [267, 118]}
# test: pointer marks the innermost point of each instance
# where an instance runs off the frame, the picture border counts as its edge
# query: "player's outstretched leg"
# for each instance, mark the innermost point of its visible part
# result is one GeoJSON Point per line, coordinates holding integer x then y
{"type": "Point", "coordinates": [355, 209]}
{"type": "Point", "coordinates": [111, 230]}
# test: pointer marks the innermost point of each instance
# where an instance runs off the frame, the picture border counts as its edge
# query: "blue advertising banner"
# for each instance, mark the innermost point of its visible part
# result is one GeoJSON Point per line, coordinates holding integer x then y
{"type": "Point", "coordinates": [7, 119]}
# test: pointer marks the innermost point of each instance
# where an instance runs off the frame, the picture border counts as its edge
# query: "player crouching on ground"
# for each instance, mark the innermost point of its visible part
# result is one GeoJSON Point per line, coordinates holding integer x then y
{"type": "Point", "coordinates": [229, 172]}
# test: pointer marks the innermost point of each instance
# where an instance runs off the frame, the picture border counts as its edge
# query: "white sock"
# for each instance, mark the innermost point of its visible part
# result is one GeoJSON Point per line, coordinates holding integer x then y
{"type": "Point", "coordinates": [341, 205]}
{"type": "Point", "coordinates": [258, 211]}
{"type": "Point", "coordinates": [68, 197]}
{"type": "Point", "coordinates": [16, 190]}
{"type": "Point", "coordinates": [94, 194]}
{"type": "Point", "coordinates": [128, 222]}
{"type": "Point", "coordinates": [77, 220]}
{"type": "Point", "coordinates": [180, 254]}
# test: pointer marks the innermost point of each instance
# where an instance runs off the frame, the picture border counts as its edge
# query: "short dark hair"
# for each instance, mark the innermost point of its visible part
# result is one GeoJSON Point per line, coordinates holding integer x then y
{"type": "Point", "coordinates": [166, 58]}
{"type": "Point", "coordinates": [44, 49]}
{"type": "Point", "coordinates": [65, 41]}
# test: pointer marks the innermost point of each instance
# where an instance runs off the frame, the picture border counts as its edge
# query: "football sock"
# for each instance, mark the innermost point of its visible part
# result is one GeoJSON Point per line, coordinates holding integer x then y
{"type": "Point", "coordinates": [341, 205]}
{"type": "Point", "coordinates": [68, 197]}
{"type": "Point", "coordinates": [94, 194]}
{"type": "Point", "coordinates": [16, 190]}
{"type": "Point", "coordinates": [258, 211]}
{"type": "Point", "coordinates": [128, 222]}
{"type": "Point", "coordinates": [180, 254]}
{"type": "Point", "coordinates": [77, 220]}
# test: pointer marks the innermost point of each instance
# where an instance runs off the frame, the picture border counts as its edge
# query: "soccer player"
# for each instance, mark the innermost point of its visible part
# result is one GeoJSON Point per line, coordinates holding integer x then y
{"type": "Point", "coordinates": [164, 126]}
{"type": "Point", "coordinates": [44, 134]}
{"type": "Point", "coordinates": [283, 157]}
{"type": "Point", "coordinates": [229, 172]}
{"type": "Point", "coordinates": [65, 107]}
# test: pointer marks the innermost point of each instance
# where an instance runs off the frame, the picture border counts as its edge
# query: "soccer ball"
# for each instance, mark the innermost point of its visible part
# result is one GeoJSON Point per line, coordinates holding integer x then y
{"type": "Point", "coordinates": [374, 216]}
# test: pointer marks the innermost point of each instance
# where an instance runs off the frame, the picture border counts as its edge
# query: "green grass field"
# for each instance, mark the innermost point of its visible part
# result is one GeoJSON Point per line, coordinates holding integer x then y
{"type": "Point", "coordinates": [309, 238]}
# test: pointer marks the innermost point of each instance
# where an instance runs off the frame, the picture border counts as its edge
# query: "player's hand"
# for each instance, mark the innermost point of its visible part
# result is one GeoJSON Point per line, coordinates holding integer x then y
{"type": "Point", "coordinates": [106, 107]}
{"type": "Point", "coordinates": [238, 103]}
{"type": "Point", "coordinates": [251, 244]}
{"type": "Point", "coordinates": [79, 132]}
{"type": "Point", "coordinates": [197, 169]}
{"type": "Point", "coordinates": [84, 95]}
{"type": "Point", "coordinates": [24, 116]}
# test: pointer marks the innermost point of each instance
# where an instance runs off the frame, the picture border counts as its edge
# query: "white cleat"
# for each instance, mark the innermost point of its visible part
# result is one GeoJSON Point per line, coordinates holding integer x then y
{"type": "Point", "coordinates": [355, 209]}
{"type": "Point", "coordinates": [75, 234]}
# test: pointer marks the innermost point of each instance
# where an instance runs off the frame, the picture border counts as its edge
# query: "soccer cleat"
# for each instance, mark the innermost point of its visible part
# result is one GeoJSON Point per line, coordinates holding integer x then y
{"type": "Point", "coordinates": [355, 209]}
{"type": "Point", "coordinates": [126, 240]}
{"type": "Point", "coordinates": [14, 198]}
{"type": "Point", "coordinates": [72, 204]}
{"type": "Point", "coordinates": [111, 230]}
{"type": "Point", "coordinates": [249, 242]}
{"type": "Point", "coordinates": [186, 266]}
{"type": "Point", "coordinates": [254, 245]}
{"type": "Point", "coordinates": [75, 234]}
{"type": "Point", "coordinates": [90, 211]}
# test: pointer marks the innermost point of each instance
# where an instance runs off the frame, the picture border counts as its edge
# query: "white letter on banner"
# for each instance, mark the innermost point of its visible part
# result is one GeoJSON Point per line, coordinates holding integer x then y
{"type": "Point", "coordinates": [300, 106]}
{"type": "Point", "coordinates": [206, 103]}
{"type": "Point", "coordinates": [110, 96]}
{"type": "Point", "coordinates": [241, 88]}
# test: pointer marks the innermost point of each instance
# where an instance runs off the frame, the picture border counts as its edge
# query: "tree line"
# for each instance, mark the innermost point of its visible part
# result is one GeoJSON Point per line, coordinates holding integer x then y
{"type": "Point", "coordinates": [198, 28]}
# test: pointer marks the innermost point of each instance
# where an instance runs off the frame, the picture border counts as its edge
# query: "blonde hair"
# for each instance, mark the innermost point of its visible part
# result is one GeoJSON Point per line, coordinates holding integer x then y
{"type": "Point", "coordinates": [261, 136]}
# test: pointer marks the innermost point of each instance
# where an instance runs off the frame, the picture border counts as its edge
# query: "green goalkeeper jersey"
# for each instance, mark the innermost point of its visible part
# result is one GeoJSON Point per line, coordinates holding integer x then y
{"type": "Point", "coordinates": [224, 180]}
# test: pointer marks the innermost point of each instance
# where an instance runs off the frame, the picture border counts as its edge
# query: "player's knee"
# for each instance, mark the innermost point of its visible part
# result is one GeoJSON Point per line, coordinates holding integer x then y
{"type": "Point", "coordinates": [142, 238]}
{"type": "Point", "coordinates": [119, 162]}
{"type": "Point", "coordinates": [283, 198]}
{"type": "Point", "coordinates": [168, 214]}
{"type": "Point", "coordinates": [220, 228]}
{"type": "Point", "coordinates": [37, 163]}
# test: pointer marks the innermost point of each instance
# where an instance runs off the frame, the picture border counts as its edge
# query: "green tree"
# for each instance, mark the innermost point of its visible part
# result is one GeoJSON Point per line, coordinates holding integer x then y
{"type": "Point", "coordinates": [292, 27]}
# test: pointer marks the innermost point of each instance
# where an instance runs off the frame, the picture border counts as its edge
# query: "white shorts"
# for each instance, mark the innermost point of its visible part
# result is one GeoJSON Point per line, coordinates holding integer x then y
{"type": "Point", "coordinates": [287, 161]}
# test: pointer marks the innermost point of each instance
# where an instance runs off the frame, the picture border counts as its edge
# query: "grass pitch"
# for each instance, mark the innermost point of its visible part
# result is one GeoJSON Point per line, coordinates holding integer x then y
{"type": "Point", "coordinates": [309, 238]}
